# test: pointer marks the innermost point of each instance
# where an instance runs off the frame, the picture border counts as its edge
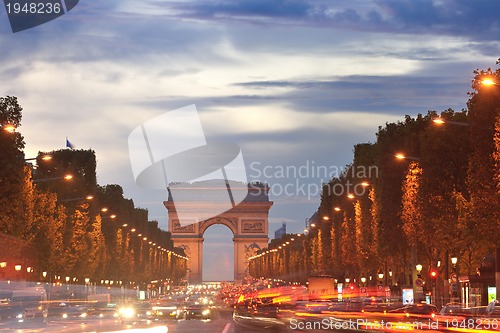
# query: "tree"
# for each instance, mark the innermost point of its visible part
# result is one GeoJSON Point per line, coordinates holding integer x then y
{"type": "Point", "coordinates": [46, 235]}
{"type": "Point", "coordinates": [77, 253]}
{"type": "Point", "coordinates": [97, 252]}
{"type": "Point", "coordinates": [12, 172]}
{"type": "Point", "coordinates": [484, 109]}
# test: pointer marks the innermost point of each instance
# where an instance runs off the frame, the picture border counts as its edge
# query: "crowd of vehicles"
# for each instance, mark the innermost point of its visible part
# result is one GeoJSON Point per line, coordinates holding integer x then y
{"type": "Point", "coordinates": [261, 306]}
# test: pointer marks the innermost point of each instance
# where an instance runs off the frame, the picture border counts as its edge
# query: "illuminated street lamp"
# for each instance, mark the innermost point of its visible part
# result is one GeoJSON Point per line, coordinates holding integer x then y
{"type": "Point", "coordinates": [441, 121]}
{"type": "Point", "coordinates": [401, 156]}
{"type": "Point", "coordinates": [419, 268]}
{"type": "Point", "coordinates": [46, 157]}
{"type": "Point", "coordinates": [454, 261]}
{"type": "Point", "coordinates": [489, 82]}
{"type": "Point", "coordinates": [9, 128]}
{"type": "Point", "coordinates": [65, 177]}
{"type": "Point", "coordinates": [18, 268]}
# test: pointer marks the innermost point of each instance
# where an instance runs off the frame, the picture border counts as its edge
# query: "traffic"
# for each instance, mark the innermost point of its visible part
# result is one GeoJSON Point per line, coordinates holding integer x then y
{"type": "Point", "coordinates": [259, 305]}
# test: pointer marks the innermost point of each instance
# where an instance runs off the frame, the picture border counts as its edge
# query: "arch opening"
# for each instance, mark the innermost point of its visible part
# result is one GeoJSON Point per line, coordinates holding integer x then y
{"type": "Point", "coordinates": [218, 254]}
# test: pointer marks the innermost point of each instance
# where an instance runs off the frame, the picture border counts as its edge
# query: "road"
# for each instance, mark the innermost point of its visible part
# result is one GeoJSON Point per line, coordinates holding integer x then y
{"type": "Point", "coordinates": [221, 323]}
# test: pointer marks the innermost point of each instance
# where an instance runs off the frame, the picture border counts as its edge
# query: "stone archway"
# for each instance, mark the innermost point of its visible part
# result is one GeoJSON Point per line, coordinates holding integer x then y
{"type": "Point", "coordinates": [248, 221]}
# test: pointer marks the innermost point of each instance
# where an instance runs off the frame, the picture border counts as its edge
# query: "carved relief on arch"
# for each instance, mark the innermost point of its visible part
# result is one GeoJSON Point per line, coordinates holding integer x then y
{"type": "Point", "coordinates": [230, 222]}
{"type": "Point", "coordinates": [177, 228]}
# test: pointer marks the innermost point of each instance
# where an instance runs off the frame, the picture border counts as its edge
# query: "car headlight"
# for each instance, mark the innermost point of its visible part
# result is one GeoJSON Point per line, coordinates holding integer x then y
{"type": "Point", "coordinates": [205, 312]}
{"type": "Point", "coordinates": [65, 315]}
{"type": "Point", "coordinates": [127, 312]}
{"type": "Point", "coordinates": [19, 316]}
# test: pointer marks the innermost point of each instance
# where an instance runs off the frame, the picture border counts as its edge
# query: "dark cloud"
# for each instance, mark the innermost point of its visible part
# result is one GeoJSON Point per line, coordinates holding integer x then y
{"type": "Point", "coordinates": [245, 8]}
{"type": "Point", "coordinates": [455, 17]}
{"type": "Point", "coordinates": [388, 94]}
{"type": "Point", "coordinates": [449, 17]}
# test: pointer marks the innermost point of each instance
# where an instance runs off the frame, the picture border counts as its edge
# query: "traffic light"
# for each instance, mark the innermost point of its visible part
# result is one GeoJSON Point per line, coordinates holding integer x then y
{"type": "Point", "coordinates": [433, 273]}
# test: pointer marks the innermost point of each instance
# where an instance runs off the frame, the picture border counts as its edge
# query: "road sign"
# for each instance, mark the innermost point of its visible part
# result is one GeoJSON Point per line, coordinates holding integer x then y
{"type": "Point", "coordinates": [380, 287]}
{"type": "Point", "coordinates": [363, 290]}
{"type": "Point", "coordinates": [453, 277]}
{"type": "Point", "coordinates": [419, 282]}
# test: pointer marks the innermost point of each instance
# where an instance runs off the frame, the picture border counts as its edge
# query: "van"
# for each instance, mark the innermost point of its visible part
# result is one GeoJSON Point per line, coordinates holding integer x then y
{"type": "Point", "coordinates": [30, 302]}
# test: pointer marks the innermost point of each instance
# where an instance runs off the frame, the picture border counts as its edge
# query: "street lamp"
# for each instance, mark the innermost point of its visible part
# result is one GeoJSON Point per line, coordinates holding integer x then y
{"type": "Point", "coordinates": [441, 121]}
{"type": "Point", "coordinates": [45, 157]}
{"type": "Point", "coordinates": [9, 128]}
{"type": "Point", "coordinates": [401, 156]}
{"type": "Point", "coordinates": [489, 82]}
{"type": "Point", "coordinates": [18, 268]}
{"type": "Point", "coordinates": [65, 177]}
{"type": "Point", "coordinates": [419, 268]}
{"type": "Point", "coordinates": [454, 290]}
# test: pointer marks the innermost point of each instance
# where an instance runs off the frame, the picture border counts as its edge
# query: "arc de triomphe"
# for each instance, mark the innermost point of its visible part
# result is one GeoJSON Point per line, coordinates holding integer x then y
{"type": "Point", "coordinates": [248, 221]}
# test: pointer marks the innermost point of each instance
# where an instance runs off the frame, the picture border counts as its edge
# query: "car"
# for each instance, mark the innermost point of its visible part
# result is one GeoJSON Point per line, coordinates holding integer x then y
{"type": "Point", "coordinates": [197, 311]}
{"type": "Point", "coordinates": [127, 313]}
{"type": "Point", "coordinates": [259, 314]}
{"type": "Point", "coordinates": [421, 310]}
{"type": "Point", "coordinates": [31, 303]}
{"type": "Point", "coordinates": [63, 311]}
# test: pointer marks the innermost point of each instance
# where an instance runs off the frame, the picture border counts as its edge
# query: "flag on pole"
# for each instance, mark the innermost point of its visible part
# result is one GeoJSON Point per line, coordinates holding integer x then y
{"type": "Point", "coordinates": [69, 144]}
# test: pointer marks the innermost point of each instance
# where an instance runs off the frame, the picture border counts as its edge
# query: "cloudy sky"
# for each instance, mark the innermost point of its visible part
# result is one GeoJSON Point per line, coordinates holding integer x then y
{"type": "Point", "coordinates": [294, 83]}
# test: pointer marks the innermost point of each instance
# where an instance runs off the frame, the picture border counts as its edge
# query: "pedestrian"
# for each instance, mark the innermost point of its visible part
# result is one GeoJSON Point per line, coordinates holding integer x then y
{"type": "Point", "coordinates": [491, 306]}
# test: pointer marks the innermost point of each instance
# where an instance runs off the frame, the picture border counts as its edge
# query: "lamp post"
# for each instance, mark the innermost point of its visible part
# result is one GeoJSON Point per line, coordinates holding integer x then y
{"type": "Point", "coordinates": [3, 264]}
{"type": "Point", "coordinates": [87, 281]}
{"type": "Point", "coordinates": [454, 278]}
{"type": "Point", "coordinates": [417, 287]}
{"type": "Point", "coordinates": [18, 268]}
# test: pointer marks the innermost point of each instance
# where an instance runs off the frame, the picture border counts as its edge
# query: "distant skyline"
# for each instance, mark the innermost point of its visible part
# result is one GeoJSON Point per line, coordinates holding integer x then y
{"type": "Point", "coordinates": [291, 82]}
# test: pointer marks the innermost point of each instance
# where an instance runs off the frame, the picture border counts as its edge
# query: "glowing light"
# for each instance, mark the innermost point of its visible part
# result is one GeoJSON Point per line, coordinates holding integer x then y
{"type": "Point", "coordinates": [488, 82]}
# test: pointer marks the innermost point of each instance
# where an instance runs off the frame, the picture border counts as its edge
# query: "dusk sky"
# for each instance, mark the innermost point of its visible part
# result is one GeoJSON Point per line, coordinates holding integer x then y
{"type": "Point", "coordinates": [294, 83]}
